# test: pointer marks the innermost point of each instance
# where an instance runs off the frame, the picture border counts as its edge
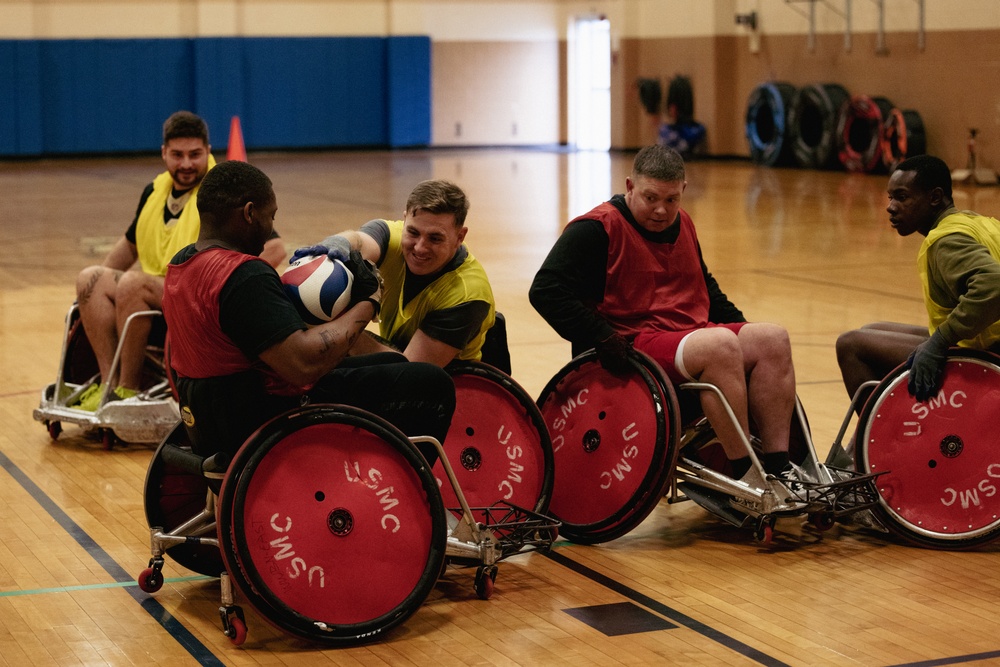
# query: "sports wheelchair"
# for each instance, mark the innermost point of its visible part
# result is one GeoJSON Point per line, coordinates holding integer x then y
{"type": "Point", "coordinates": [144, 418]}
{"type": "Point", "coordinates": [332, 525]}
{"type": "Point", "coordinates": [622, 443]}
{"type": "Point", "coordinates": [937, 461]}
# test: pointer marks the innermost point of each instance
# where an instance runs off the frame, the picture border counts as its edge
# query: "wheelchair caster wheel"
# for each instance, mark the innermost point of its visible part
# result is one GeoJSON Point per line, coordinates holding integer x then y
{"type": "Point", "coordinates": [764, 532]}
{"type": "Point", "coordinates": [237, 632]}
{"type": "Point", "coordinates": [822, 521]}
{"type": "Point", "coordinates": [150, 580]}
{"type": "Point", "coordinates": [485, 580]}
{"type": "Point", "coordinates": [54, 429]}
{"type": "Point", "coordinates": [109, 439]}
{"type": "Point", "coordinates": [234, 625]}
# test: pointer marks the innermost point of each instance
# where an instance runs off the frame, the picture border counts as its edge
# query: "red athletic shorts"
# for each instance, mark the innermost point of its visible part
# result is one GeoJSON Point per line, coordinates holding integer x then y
{"type": "Point", "coordinates": [667, 348]}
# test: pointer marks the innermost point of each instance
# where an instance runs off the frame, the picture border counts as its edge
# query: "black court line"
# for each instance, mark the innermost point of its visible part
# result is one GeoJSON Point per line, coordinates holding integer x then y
{"type": "Point", "coordinates": [951, 661]}
{"type": "Point", "coordinates": [664, 610]}
{"type": "Point", "coordinates": [176, 629]}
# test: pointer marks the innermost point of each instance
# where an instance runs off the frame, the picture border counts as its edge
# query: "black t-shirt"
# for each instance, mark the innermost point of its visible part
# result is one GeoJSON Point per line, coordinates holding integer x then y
{"type": "Point", "coordinates": [571, 280]}
{"type": "Point", "coordinates": [168, 215]}
{"type": "Point", "coordinates": [253, 309]}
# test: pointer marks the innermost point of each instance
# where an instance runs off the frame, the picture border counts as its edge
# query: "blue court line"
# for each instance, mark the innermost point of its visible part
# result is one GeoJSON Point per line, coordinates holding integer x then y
{"type": "Point", "coordinates": [180, 633]}
{"type": "Point", "coordinates": [88, 587]}
{"type": "Point", "coordinates": [664, 610]}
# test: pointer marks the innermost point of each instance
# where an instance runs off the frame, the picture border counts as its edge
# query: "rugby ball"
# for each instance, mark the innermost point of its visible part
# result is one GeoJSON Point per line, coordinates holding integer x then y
{"type": "Point", "coordinates": [319, 287]}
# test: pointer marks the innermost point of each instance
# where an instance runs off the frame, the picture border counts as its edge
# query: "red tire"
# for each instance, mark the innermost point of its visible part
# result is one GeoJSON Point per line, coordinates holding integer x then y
{"type": "Point", "coordinates": [941, 486]}
{"type": "Point", "coordinates": [613, 440]}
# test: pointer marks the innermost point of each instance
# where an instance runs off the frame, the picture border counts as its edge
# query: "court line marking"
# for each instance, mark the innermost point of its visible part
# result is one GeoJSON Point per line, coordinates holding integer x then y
{"type": "Point", "coordinates": [662, 609]}
{"type": "Point", "coordinates": [88, 587]}
{"type": "Point", "coordinates": [181, 634]}
{"type": "Point", "coordinates": [951, 661]}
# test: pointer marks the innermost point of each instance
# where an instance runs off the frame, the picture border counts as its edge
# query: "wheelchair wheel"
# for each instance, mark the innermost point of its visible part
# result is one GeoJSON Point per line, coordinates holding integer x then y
{"type": "Point", "coordinates": [941, 488]}
{"type": "Point", "coordinates": [613, 440]}
{"type": "Point", "coordinates": [497, 444]}
{"type": "Point", "coordinates": [331, 524]}
{"type": "Point", "coordinates": [171, 497]}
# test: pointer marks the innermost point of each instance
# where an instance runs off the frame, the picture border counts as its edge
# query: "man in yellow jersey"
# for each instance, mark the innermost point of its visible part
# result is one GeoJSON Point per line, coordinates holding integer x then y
{"type": "Point", "coordinates": [959, 265]}
{"type": "Point", "coordinates": [165, 221]}
{"type": "Point", "coordinates": [437, 305]}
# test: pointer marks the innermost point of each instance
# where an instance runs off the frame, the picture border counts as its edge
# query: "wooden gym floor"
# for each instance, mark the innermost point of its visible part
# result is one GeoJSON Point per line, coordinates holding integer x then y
{"type": "Point", "coordinates": [810, 250]}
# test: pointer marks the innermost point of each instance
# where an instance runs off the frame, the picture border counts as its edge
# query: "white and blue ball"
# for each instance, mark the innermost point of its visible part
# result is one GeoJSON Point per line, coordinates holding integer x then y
{"type": "Point", "coordinates": [319, 287]}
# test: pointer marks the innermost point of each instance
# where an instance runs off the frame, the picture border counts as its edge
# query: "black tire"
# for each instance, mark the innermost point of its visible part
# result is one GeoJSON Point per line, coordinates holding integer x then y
{"type": "Point", "coordinates": [813, 124]}
{"type": "Point", "coordinates": [171, 497]}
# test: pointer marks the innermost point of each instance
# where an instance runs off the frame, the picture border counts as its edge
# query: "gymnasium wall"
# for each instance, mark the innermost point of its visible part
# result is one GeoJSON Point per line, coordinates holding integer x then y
{"type": "Point", "coordinates": [493, 73]}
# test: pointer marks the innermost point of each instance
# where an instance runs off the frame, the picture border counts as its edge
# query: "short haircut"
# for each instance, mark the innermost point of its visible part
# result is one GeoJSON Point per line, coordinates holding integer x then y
{"type": "Point", "coordinates": [661, 163]}
{"type": "Point", "coordinates": [930, 172]}
{"type": "Point", "coordinates": [439, 197]}
{"type": "Point", "coordinates": [231, 185]}
{"type": "Point", "coordinates": [183, 125]}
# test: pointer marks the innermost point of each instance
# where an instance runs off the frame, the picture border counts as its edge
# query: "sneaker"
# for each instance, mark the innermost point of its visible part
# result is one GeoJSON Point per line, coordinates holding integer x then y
{"type": "Point", "coordinates": [89, 399]}
{"type": "Point", "coordinates": [121, 393]}
{"type": "Point", "coordinates": [791, 476]}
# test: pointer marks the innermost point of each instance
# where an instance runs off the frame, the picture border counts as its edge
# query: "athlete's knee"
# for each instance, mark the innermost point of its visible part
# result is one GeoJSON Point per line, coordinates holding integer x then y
{"type": "Point", "coordinates": [88, 282]}
{"type": "Point", "coordinates": [139, 290]}
{"type": "Point", "coordinates": [713, 351]}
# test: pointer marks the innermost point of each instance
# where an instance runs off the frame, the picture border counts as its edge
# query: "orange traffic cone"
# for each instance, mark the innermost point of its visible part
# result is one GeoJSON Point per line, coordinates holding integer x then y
{"type": "Point", "coordinates": [236, 150]}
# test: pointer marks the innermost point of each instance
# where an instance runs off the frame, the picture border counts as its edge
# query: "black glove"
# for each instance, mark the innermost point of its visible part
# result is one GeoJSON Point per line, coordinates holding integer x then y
{"type": "Point", "coordinates": [926, 364]}
{"type": "Point", "coordinates": [367, 284]}
{"type": "Point", "coordinates": [334, 247]}
{"type": "Point", "coordinates": [613, 353]}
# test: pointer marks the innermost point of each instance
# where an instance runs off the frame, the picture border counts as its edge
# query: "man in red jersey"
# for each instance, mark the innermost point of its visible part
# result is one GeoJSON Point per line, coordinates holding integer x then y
{"type": "Point", "coordinates": [630, 273]}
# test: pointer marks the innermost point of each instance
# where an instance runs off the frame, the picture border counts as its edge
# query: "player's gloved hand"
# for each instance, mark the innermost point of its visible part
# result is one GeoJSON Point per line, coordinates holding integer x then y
{"type": "Point", "coordinates": [334, 247]}
{"type": "Point", "coordinates": [926, 364]}
{"type": "Point", "coordinates": [367, 284]}
{"type": "Point", "coordinates": [613, 353]}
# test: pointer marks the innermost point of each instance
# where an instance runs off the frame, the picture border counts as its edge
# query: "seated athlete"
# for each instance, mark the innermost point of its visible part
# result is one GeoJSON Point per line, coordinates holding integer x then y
{"type": "Point", "coordinates": [959, 265]}
{"type": "Point", "coordinates": [438, 304]}
{"type": "Point", "coordinates": [630, 273]}
{"type": "Point", "coordinates": [241, 353]}
{"type": "Point", "coordinates": [165, 221]}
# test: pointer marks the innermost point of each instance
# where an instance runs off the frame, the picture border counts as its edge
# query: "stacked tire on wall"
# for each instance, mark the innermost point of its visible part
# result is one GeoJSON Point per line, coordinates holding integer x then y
{"type": "Point", "coordinates": [902, 136]}
{"type": "Point", "coordinates": [821, 126]}
{"type": "Point", "coordinates": [766, 123]}
{"type": "Point", "coordinates": [813, 124]}
{"type": "Point", "coordinates": [859, 132]}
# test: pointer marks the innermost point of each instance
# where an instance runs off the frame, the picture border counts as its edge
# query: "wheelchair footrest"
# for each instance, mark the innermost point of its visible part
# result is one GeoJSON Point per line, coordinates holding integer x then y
{"type": "Point", "coordinates": [516, 529]}
{"type": "Point", "coordinates": [715, 502]}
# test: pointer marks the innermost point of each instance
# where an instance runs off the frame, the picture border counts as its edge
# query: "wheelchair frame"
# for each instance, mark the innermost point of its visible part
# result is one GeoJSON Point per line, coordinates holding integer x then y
{"type": "Point", "coordinates": [825, 494]}
{"type": "Point", "coordinates": [144, 418]}
{"type": "Point", "coordinates": [480, 536]}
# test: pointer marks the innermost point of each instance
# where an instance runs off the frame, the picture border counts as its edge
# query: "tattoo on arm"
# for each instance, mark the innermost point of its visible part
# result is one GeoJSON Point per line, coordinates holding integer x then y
{"type": "Point", "coordinates": [88, 290]}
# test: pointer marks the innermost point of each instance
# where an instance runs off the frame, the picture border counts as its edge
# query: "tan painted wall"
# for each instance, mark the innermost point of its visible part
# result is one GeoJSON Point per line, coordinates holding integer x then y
{"type": "Point", "coordinates": [952, 83]}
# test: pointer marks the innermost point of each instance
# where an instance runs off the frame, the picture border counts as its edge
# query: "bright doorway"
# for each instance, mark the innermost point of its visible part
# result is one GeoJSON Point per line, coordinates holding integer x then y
{"type": "Point", "coordinates": [589, 85]}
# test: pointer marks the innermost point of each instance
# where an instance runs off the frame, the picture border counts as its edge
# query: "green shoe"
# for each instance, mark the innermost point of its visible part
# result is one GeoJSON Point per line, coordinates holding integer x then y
{"type": "Point", "coordinates": [123, 393]}
{"type": "Point", "coordinates": [90, 399]}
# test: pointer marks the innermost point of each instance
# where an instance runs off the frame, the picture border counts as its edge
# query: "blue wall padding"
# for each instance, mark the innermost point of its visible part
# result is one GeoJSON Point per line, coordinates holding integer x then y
{"type": "Point", "coordinates": [106, 96]}
{"type": "Point", "coordinates": [409, 74]}
{"type": "Point", "coordinates": [20, 98]}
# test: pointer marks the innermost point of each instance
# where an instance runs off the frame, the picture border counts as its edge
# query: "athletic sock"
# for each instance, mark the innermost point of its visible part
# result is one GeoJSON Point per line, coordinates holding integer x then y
{"type": "Point", "coordinates": [740, 466]}
{"type": "Point", "coordinates": [774, 462]}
